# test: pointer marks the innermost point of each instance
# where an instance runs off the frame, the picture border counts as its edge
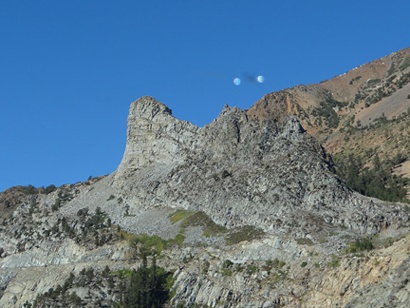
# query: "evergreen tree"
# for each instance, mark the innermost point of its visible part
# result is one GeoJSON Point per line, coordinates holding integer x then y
{"type": "Point", "coordinates": [146, 287]}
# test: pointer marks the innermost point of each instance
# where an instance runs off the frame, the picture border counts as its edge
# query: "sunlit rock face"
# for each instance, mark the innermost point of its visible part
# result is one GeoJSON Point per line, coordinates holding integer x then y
{"type": "Point", "coordinates": [244, 168]}
{"type": "Point", "coordinates": [154, 136]}
{"type": "Point", "coordinates": [256, 174]}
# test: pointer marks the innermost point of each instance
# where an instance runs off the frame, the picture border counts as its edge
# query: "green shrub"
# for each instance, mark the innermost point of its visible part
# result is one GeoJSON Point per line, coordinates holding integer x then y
{"type": "Point", "coordinates": [334, 262]}
{"type": "Point", "coordinates": [359, 245]}
{"type": "Point", "coordinates": [227, 264]}
{"type": "Point", "coordinates": [48, 189]}
{"type": "Point", "coordinates": [205, 267]}
{"type": "Point", "coordinates": [56, 205]}
{"type": "Point", "coordinates": [226, 272]}
{"type": "Point", "coordinates": [276, 263]}
{"type": "Point", "coordinates": [111, 197]}
{"type": "Point", "coordinates": [251, 269]}
{"type": "Point", "coordinates": [28, 190]}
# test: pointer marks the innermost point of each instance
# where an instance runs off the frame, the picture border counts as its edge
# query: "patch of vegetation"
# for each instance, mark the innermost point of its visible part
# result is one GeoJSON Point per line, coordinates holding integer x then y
{"type": "Point", "coordinates": [403, 80]}
{"type": "Point", "coordinates": [377, 181]}
{"type": "Point", "coordinates": [28, 190]}
{"type": "Point", "coordinates": [303, 264]}
{"type": "Point", "coordinates": [180, 215]}
{"type": "Point", "coordinates": [197, 219]}
{"type": "Point", "coordinates": [388, 242]}
{"type": "Point", "coordinates": [146, 286]}
{"type": "Point", "coordinates": [64, 195]}
{"type": "Point", "coordinates": [326, 112]}
{"type": "Point", "coordinates": [355, 79]}
{"type": "Point", "coordinates": [97, 220]}
{"type": "Point", "coordinates": [90, 230]}
{"type": "Point", "coordinates": [373, 81]}
{"type": "Point", "coordinates": [323, 240]}
{"type": "Point", "coordinates": [150, 244]}
{"type": "Point", "coordinates": [56, 205]}
{"type": "Point", "coordinates": [227, 268]}
{"type": "Point", "coordinates": [210, 228]}
{"type": "Point", "coordinates": [377, 96]}
{"type": "Point", "coordinates": [32, 190]}
{"type": "Point", "coordinates": [47, 190]}
{"type": "Point", "coordinates": [304, 241]}
{"type": "Point", "coordinates": [205, 267]}
{"type": "Point", "coordinates": [178, 240]}
{"type": "Point", "coordinates": [273, 264]}
{"type": "Point", "coordinates": [226, 272]}
{"type": "Point", "coordinates": [334, 262]}
{"type": "Point", "coordinates": [251, 269]}
{"type": "Point", "coordinates": [392, 69]}
{"type": "Point", "coordinates": [359, 245]}
{"type": "Point", "coordinates": [227, 264]}
{"type": "Point", "coordinates": [376, 89]}
{"type": "Point", "coordinates": [245, 233]}
{"type": "Point", "coordinates": [405, 64]}
{"type": "Point", "coordinates": [201, 219]}
{"type": "Point", "coordinates": [277, 276]}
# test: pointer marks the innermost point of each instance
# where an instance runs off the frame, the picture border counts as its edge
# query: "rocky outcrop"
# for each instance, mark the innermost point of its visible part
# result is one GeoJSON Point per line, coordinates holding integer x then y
{"type": "Point", "coordinates": [154, 137]}
{"type": "Point", "coordinates": [379, 280]}
{"type": "Point", "coordinates": [244, 168]}
{"type": "Point", "coordinates": [253, 170]}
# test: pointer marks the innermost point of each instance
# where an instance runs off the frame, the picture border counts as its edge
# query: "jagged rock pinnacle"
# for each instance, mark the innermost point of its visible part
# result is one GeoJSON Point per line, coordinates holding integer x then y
{"type": "Point", "coordinates": [149, 108]}
{"type": "Point", "coordinates": [154, 136]}
{"type": "Point", "coordinates": [244, 168]}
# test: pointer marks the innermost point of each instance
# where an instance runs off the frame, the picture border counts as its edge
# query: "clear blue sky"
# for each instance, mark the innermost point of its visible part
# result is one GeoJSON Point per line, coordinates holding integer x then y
{"type": "Point", "coordinates": [70, 69]}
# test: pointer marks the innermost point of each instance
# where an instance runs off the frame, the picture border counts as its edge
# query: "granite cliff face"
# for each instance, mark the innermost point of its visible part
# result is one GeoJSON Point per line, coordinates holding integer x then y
{"type": "Point", "coordinates": [248, 206]}
{"type": "Point", "coordinates": [244, 168]}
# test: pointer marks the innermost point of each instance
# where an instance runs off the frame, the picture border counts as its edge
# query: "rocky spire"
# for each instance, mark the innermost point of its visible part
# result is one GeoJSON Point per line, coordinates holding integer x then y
{"type": "Point", "coordinates": [154, 136]}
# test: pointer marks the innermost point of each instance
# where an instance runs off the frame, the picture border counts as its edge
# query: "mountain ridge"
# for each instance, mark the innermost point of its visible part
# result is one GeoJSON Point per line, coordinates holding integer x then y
{"type": "Point", "coordinates": [220, 154]}
{"type": "Point", "coordinates": [362, 113]}
{"type": "Point", "coordinates": [246, 211]}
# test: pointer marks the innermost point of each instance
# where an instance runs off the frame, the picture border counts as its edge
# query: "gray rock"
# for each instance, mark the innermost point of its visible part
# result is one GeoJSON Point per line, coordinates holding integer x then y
{"type": "Point", "coordinates": [240, 170]}
{"type": "Point", "coordinates": [243, 169]}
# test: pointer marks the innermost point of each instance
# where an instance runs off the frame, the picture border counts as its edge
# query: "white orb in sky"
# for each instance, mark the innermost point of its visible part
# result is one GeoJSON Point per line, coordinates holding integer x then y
{"type": "Point", "coordinates": [260, 79]}
{"type": "Point", "coordinates": [237, 81]}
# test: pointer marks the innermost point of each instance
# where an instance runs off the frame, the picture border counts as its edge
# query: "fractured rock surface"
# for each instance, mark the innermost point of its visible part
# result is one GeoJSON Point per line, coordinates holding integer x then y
{"type": "Point", "coordinates": [244, 168]}
{"type": "Point", "coordinates": [255, 167]}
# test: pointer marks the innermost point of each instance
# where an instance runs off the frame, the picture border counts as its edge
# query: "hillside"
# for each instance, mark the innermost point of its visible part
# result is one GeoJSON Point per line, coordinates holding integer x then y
{"type": "Point", "coordinates": [362, 113]}
{"type": "Point", "coordinates": [247, 211]}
